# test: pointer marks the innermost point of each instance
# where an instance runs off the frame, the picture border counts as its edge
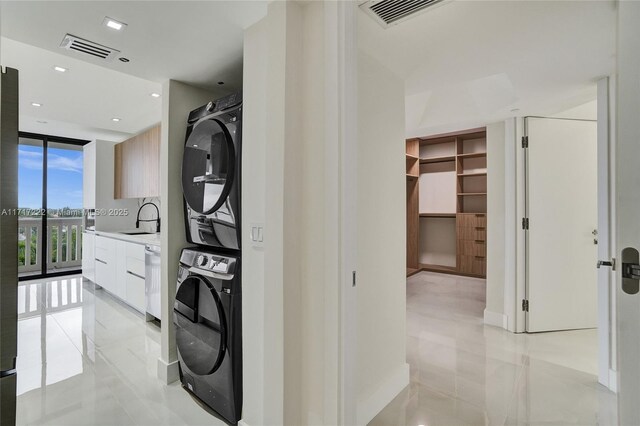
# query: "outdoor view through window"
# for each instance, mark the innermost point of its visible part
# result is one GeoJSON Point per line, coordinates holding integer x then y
{"type": "Point", "coordinates": [49, 198]}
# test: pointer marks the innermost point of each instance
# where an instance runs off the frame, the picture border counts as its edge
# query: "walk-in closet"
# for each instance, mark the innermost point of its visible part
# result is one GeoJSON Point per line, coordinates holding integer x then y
{"type": "Point", "coordinates": [447, 203]}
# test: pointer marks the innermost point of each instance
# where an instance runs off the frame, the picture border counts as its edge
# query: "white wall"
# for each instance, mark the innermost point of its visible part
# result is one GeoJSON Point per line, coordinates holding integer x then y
{"type": "Point", "coordinates": [103, 170]}
{"type": "Point", "coordinates": [289, 306]}
{"type": "Point", "coordinates": [494, 312]}
{"type": "Point", "coordinates": [256, 408]}
{"type": "Point", "coordinates": [382, 367]}
{"type": "Point", "coordinates": [177, 101]}
{"type": "Point", "coordinates": [587, 111]}
{"type": "Point", "coordinates": [291, 183]}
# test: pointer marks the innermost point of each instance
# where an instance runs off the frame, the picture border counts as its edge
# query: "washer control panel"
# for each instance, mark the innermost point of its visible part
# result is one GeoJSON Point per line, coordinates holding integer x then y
{"type": "Point", "coordinates": [212, 263]}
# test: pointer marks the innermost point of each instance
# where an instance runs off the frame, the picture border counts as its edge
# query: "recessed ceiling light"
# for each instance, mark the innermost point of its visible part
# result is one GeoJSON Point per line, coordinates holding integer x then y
{"type": "Point", "coordinates": [115, 119]}
{"type": "Point", "coordinates": [36, 104]}
{"type": "Point", "coordinates": [155, 95]}
{"type": "Point", "coordinates": [123, 59]}
{"type": "Point", "coordinates": [113, 24]}
{"type": "Point", "coordinates": [221, 83]}
{"type": "Point", "coordinates": [60, 69]}
{"type": "Point", "coordinates": [515, 110]}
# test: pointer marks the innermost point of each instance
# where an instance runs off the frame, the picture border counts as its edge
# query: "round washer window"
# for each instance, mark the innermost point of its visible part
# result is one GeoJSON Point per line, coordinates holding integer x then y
{"type": "Point", "coordinates": [200, 325]}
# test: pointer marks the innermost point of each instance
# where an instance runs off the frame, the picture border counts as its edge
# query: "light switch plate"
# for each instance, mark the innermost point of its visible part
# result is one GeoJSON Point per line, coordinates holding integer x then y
{"type": "Point", "coordinates": [256, 234]}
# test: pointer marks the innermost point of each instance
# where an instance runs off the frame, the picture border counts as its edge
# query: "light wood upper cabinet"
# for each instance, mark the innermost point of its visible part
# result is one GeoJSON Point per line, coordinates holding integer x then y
{"type": "Point", "coordinates": [137, 166]}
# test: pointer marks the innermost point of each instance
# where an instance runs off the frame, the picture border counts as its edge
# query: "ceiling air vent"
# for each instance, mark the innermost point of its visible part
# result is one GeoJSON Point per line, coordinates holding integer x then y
{"type": "Point", "coordinates": [71, 42]}
{"type": "Point", "coordinates": [391, 12]}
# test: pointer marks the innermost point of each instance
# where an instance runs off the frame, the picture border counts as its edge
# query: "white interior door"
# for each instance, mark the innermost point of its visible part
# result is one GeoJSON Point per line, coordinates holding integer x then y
{"type": "Point", "coordinates": [562, 211]}
{"type": "Point", "coordinates": [627, 205]}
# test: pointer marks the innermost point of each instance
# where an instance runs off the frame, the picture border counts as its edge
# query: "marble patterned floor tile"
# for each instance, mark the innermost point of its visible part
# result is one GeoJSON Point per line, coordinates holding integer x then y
{"type": "Point", "coordinates": [463, 372]}
{"type": "Point", "coordinates": [92, 361]}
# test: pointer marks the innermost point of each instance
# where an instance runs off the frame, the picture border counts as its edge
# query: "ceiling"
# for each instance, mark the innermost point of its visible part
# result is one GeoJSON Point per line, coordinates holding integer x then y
{"type": "Point", "coordinates": [469, 63]}
{"type": "Point", "coordinates": [81, 102]}
{"type": "Point", "coordinates": [198, 43]}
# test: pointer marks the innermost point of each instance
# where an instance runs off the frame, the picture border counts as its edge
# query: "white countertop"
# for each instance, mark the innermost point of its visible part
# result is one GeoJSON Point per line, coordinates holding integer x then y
{"type": "Point", "coordinates": [139, 238]}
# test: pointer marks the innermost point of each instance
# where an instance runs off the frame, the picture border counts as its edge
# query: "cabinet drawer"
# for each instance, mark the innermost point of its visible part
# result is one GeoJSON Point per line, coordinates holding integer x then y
{"type": "Point", "coordinates": [476, 265]}
{"type": "Point", "coordinates": [103, 254]}
{"type": "Point", "coordinates": [105, 242]}
{"type": "Point", "coordinates": [477, 233]}
{"type": "Point", "coordinates": [472, 247]}
{"type": "Point", "coordinates": [136, 266]}
{"type": "Point", "coordinates": [135, 251]}
{"type": "Point", "coordinates": [471, 220]}
{"type": "Point", "coordinates": [105, 276]}
{"type": "Point", "coordinates": [135, 292]}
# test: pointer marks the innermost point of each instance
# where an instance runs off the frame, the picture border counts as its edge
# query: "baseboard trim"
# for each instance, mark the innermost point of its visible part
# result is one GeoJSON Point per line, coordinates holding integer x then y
{"type": "Point", "coordinates": [371, 405]}
{"type": "Point", "coordinates": [496, 319]}
{"type": "Point", "coordinates": [613, 381]}
{"type": "Point", "coordinates": [168, 372]}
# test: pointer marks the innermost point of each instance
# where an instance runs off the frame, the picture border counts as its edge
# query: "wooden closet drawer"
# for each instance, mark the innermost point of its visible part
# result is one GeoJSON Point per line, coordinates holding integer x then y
{"type": "Point", "coordinates": [476, 265]}
{"type": "Point", "coordinates": [477, 233]}
{"type": "Point", "coordinates": [472, 247]}
{"type": "Point", "coordinates": [471, 220]}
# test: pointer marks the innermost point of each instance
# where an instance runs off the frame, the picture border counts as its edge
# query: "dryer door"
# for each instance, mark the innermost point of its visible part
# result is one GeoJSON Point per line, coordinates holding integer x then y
{"type": "Point", "coordinates": [208, 166]}
{"type": "Point", "coordinates": [201, 330]}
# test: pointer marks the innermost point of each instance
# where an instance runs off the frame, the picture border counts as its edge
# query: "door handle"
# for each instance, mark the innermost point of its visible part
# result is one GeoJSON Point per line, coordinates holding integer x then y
{"type": "Point", "coordinates": [611, 263]}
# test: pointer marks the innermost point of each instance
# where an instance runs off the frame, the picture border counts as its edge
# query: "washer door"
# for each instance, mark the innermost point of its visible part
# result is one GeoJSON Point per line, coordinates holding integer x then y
{"type": "Point", "coordinates": [207, 166]}
{"type": "Point", "coordinates": [201, 331]}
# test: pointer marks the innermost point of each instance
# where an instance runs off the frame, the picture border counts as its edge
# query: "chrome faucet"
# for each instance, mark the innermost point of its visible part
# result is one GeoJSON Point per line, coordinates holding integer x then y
{"type": "Point", "coordinates": [157, 221]}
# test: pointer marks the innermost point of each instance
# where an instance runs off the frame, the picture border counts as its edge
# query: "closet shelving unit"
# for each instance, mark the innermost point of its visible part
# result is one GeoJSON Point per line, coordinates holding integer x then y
{"type": "Point", "coordinates": [447, 203]}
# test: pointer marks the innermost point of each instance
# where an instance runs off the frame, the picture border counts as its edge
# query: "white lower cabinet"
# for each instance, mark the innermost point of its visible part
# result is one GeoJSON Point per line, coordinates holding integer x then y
{"type": "Point", "coordinates": [135, 291]}
{"type": "Point", "coordinates": [120, 288]}
{"type": "Point", "coordinates": [105, 252]}
{"type": "Point", "coordinates": [120, 269]}
{"type": "Point", "coordinates": [89, 256]}
{"type": "Point", "coordinates": [104, 275]}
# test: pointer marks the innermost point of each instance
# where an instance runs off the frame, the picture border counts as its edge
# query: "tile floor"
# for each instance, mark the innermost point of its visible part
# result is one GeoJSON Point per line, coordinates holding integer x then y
{"type": "Point", "coordinates": [466, 373]}
{"type": "Point", "coordinates": [86, 359]}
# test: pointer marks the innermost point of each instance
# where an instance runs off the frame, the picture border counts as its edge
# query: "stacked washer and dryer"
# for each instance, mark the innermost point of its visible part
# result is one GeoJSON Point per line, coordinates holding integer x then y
{"type": "Point", "coordinates": [207, 311]}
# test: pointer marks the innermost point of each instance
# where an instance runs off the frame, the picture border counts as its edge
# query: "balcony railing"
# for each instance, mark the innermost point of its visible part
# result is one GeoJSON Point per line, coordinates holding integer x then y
{"type": "Point", "coordinates": [64, 249]}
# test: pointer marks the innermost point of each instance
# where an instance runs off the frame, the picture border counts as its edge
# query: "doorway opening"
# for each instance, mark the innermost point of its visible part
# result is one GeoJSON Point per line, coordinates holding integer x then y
{"type": "Point", "coordinates": [49, 205]}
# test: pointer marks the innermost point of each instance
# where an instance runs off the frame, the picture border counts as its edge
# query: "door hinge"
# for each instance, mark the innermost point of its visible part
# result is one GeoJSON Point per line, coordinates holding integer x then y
{"type": "Point", "coordinates": [525, 223]}
{"type": "Point", "coordinates": [525, 141]}
{"type": "Point", "coordinates": [525, 305]}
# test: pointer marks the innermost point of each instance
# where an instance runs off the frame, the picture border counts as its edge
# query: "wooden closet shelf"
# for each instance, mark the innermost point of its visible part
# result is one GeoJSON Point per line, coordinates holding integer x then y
{"type": "Point", "coordinates": [412, 157]}
{"type": "Point", "coordinates": [411, 177]}
{"type": "Point", "coordinates": [437, 159]}
{"type": "Point", "coordinates": [472, 155]}
{"type": "Point", "coordinates": [443, 215]}
{"type": "Point", "coordinates": [472, 174]}
{"type": "Point", "coordinates": [471, 193]}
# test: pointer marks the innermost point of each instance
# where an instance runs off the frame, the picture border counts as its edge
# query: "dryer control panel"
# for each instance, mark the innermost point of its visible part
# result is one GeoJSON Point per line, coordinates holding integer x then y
{"type": "Point", "coordinates": [221, 104]}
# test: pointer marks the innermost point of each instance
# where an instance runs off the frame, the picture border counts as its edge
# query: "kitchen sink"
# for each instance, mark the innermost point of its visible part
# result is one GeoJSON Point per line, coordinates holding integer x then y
{"type": "Point", "coordinates": [136, 233]}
